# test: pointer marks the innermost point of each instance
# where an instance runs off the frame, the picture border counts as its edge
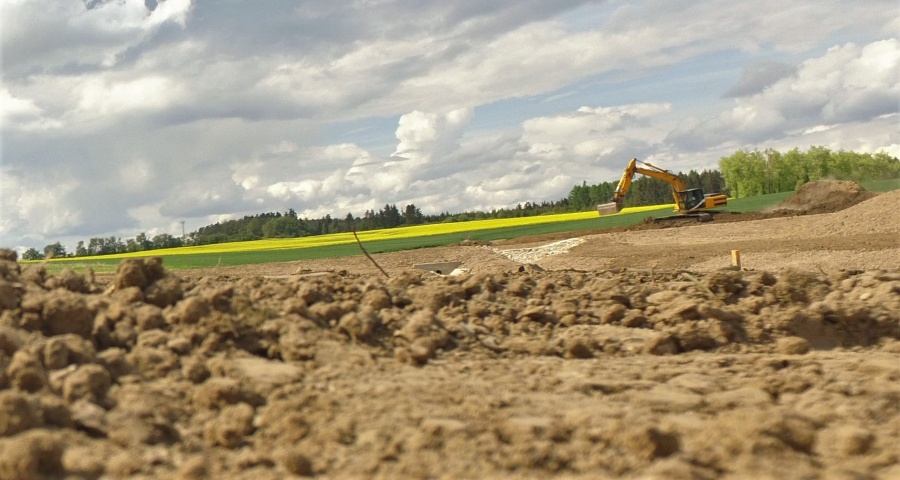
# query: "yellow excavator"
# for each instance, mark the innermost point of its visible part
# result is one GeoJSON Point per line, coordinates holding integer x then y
{"type": "Point", "coordinates": [689, 202]}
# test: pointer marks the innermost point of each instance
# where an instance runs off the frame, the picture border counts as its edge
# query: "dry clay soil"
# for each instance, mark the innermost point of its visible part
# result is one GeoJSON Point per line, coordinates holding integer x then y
{"type": "Point", "coordinates": [635, 353]}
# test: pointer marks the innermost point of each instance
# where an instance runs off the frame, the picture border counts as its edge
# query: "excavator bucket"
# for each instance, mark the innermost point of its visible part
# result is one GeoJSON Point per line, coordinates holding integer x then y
{"type": "Point", "coordinates": [607, 208]}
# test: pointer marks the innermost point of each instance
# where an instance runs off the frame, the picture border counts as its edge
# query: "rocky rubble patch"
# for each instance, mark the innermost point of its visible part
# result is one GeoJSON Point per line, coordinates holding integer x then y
{"type": "Point", "coordinates": [533, 254]}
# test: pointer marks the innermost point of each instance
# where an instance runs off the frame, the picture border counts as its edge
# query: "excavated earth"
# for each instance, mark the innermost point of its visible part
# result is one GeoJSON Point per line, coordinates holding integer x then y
{"type": "Point", "coordinates": [636, 353]}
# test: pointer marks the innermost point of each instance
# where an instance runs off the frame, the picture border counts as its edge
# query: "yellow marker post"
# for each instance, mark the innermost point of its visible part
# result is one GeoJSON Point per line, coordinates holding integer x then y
{"type": "Point", "coordinates": [736, 259]}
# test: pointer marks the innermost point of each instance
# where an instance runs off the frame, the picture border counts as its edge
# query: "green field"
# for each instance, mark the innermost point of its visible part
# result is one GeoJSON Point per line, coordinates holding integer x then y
{"type": "Point", "coordinates": [250, 256]}
{"type": "Point", "coordinates": [882, 185]}
{"type": "Point", "coordinates": [375, 241]}
{"type": "Point", "coordinates": [245, 253]}
{"type": "Point", "coordinates": [756, 204]}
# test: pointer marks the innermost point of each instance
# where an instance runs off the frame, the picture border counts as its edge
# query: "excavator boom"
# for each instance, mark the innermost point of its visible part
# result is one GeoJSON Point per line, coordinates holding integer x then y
{"type": "Point", "coordinates": [687, 200]}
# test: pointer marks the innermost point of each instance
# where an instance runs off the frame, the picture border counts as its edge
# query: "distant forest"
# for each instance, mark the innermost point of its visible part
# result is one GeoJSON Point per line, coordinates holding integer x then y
{"type": "Point", "coordinates": [744, 173]}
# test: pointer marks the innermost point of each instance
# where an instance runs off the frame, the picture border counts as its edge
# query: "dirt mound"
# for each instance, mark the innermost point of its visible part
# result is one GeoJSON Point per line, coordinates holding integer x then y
{"type": "Point", "coordinates": [825, 196]}
{"type": "Point", "coordinates": [491, 375]}
{"type": "Point", "coordinates": [875, 214]}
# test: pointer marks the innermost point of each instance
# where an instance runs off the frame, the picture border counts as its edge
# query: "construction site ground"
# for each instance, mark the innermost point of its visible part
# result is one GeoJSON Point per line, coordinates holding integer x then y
{"type": "Point", "coordinates": [632, 353]}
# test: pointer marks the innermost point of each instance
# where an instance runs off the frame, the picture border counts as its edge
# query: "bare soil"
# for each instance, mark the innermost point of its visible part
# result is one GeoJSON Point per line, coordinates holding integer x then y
{"type": "Point", "coordinates": [636, 353]}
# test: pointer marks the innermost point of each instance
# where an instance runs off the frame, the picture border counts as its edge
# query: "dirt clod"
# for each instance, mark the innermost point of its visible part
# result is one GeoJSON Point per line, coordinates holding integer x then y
{"type": "Point", "coordinates": [17, 413]}
{"type": "Point", "coordinates": [131, 274]}
{"type": "Point", "coordinates": [34, 454]}
{"type": "Point", "coordinates": [295, 462]}
{"type": "Point", "coordinates": [25, 372]}
{"type": "Point", "coordinates": [87, 382]}
{"type": "Point", "coordinates": [230, 427]}
{"type": "Point", "coordinates": [67, 312]}
{"type": "Point", "coordinates": [792, 345]}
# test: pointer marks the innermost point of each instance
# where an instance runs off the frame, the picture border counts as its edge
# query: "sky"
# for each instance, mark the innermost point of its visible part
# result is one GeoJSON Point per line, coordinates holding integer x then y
{"type": "Point", "coordinates": [126, 116]}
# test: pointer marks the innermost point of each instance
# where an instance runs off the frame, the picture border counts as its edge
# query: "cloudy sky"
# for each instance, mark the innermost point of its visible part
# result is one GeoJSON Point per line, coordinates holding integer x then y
{"type": "Point", "coordinates": [128, 116]}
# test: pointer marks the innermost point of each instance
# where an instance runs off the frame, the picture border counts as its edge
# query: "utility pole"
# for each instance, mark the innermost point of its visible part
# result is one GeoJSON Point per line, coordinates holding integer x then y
{"type": "Point", "coordinates": [182, 231]}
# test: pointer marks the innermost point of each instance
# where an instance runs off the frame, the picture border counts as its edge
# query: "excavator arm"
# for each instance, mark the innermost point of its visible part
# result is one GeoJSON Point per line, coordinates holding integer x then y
{"type": "Point", "coordinates": [686, 200]}
{"type": "Point", "coordinates": [618, 200]}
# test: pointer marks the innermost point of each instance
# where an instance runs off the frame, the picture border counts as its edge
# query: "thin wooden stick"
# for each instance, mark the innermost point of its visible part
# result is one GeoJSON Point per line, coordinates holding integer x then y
{"type": "Point", "coordinates": [367, 253]}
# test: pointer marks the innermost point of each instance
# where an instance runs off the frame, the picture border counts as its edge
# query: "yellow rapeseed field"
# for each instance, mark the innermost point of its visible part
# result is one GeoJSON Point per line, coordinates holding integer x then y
{"type": "Point", "coordinates": [373, 235]}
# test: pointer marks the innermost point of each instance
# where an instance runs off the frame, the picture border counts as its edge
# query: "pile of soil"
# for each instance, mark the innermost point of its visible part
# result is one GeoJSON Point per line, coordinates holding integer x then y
{"type": "Point", "coordinates": [825, 196]}
{"type": "Point", "coordinates": [516, 374]}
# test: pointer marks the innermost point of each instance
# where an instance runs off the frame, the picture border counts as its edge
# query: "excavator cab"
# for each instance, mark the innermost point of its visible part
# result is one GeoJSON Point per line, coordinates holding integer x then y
{"type": "Point", "coordinates": [691, 199]}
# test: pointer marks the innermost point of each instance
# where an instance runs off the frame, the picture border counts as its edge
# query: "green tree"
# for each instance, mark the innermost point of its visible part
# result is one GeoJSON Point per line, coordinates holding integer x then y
{"type": "Point", "coordinates": [692, 179]}
{"type": "Point", "coordinates": [254, 228]}
{"type": "Point", "coordinates": [779, 172]}
{"type": "Point", "coordinates": [164, 240]}
{"type": "Point", "coordinates": [55, 250]}
{"type": "Point", "coordinates": [843, 164]}
{"type": "Point", "coordinates": [132, 246]}
{"type": "Point", "coordinates": [282, 227]}
{"type": "Point", "coordinates": [819, 163]}
{"type": "Point", "coordinates": [412, 215]}
{"type": "Point", "coordinates": [114, 245]}
{"type": "Point", "coordinates": [390, 216]}
{"type": "Point", "coordinates": [711, 181]}
{"type": "Point", "coordinates": [745, 173]}
{"type": "Point", "coordinates": [143, 243]}
{"type": "Point", "coordinates": [368, 221]}
{"type": "Point", "coordinates": [600, 193]}
{"type": "Point", "coordinates": [32, 254]}
{"type": "Point", "coordinates": [580, 197]}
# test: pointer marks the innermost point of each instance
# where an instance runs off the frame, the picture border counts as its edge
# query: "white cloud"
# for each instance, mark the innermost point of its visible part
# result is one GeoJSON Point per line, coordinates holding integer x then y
{"type": "Point", "coordinates": [590, 133]}
{"type": "Point", "coordinates": [101, 97]}
{"type": "Point", "coordinates": [137, 175]}
{"type": "Point", "coordinates": [849, 83]}
{"type": "Point", "coordinates": [304, 190]}
{"type": "Point", "coordinates": [12, 108]}
{"type": "Point", "coordinates": [423, 136]}
{"type": "Point", "coordinates": [759, 75]}
{"type": "Point", "coordinates": [22, 114]}
{"type": "Point", "coordinates": [589, 122]}
{"type": "Point", "coordinates": [38, 209]}
{"type": "Point", "coordinates": [194, 198]}
{"type": "Point", "coordinates": [49, 35]}
{"type": "Point", "coordinates": [876, 135]}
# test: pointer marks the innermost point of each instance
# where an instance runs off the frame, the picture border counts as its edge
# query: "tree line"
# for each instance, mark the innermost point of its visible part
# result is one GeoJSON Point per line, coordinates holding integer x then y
{"type": "Point", "coordinates": [289, 224]}
{"type": "Point", "coordinates": [107, 246]}
{"type": "Point", "coordinates": [744, 173]}
{"type": "Point", "coordinates": [751, 173]}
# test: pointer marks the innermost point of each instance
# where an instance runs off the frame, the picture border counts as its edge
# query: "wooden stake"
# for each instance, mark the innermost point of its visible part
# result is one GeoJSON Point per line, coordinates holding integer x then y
{"type": "Point", "coordinates": [367, 253]}
{"type": "Point", "coordinates": [736, 259]}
